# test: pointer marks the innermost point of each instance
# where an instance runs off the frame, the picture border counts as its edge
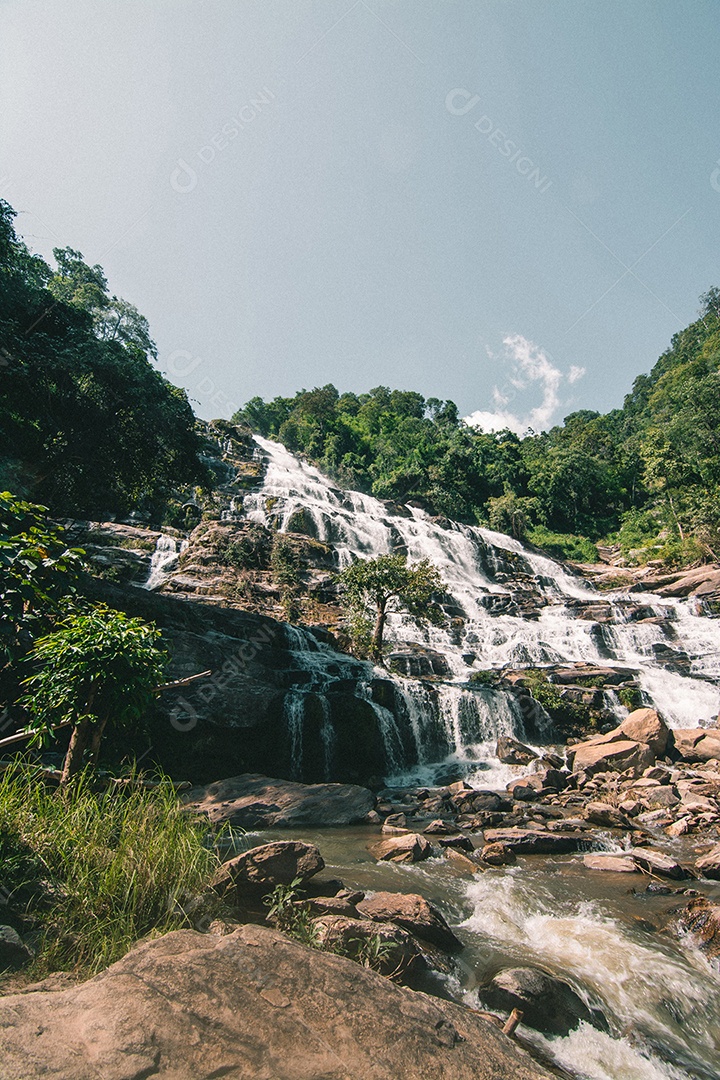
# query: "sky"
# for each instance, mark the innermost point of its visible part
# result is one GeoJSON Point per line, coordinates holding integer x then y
{"type": "Point", "coordinates": [513, 204]}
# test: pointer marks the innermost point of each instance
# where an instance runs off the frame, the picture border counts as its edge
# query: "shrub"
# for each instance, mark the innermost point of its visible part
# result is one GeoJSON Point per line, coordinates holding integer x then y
{"type": "Point", "coordinates": [94, 871]}
{"type": "Point", "coordinates": [564, 545]}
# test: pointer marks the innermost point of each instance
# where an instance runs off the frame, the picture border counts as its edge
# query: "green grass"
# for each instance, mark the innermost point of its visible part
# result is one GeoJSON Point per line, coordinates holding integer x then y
{"type": "Point", "coordinates": [89, 872]}
{"type": "Point", "coordinates": [563, 545]}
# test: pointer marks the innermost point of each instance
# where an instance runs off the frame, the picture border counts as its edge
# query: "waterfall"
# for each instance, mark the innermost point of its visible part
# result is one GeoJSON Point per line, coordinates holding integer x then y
{"type": "Point", "coordinates": [489, 576]}
{"type": "Point", "coordinates": [163, 559]}
{"type": "Point", "coordinates": [294, 708]}
{"type": "Point", "coordinates": [507, 607]}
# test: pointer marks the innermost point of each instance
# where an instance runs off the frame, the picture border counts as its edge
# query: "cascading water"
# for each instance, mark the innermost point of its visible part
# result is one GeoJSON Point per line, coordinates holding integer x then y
{"type": "Point", "coordinates": [507, 606]}
{"type": "Point", "coordinates": [163, 560]}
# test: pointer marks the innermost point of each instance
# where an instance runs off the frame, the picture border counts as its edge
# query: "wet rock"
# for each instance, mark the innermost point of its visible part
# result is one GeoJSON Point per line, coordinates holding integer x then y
{"type": "Point", "coordinates": [701, 919]}
{"type": "Point", "coordinates": [440, 828]}
{"type": "Point", "coordinates": [412, 847]}
{"type": "Point", "coordinates": [268, 865]}
{"type": "Point", "coordinates": [462, 862]}
{"type": "Point", "coordinates": [512, 752]}
{"type": "Point", "coordinates": [526, 789]}
{"type": "Point", "coordinates": [251, 801]}
{"type": "Point", "coordinates": [548, 1004]}
{"type": "Point", "coordinates": [498, 855]}
{"type": "Point", "coordinates": [534, 841]}
{"type": "Point", "coordinates": [460, 842]}
{"type": "Point", "coordinates": [709, 864]}
{"type": "Point", "coordinates": [618, 864]}
{"type": "Point", "coordinates": [414, 913]}
{"type": "Point", "coordinates": [656, 862]}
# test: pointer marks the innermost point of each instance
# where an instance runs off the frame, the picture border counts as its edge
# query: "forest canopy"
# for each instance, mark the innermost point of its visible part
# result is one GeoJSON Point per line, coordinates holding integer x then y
{"type": "Point", "coordinates": [87, 424]}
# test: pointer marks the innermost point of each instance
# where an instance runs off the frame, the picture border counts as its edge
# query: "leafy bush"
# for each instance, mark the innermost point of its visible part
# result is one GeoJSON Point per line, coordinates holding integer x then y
{"type": "Point", "coordinates": [563, 545]}
{"type": "Point", "coordinates": [95, 871]}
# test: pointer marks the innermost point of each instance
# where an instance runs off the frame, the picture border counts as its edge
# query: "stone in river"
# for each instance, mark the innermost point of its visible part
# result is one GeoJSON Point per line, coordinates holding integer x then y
{"type": "Point", "coordinates": [512, 752]}
{"type": "Point", "coordinates": [534, 841]}
{"type": "Point", "coordinates": [548, 1004]}
{"type": "Point", "coordinates": [414, 913]}
{"type": "Point", "coordinates": [600, 813]}
{"type": "Point", "coordinates": [251, 801]}
{"type": "Point", "coordinates": [709, 864]}
{"type": "Point", "coordinates": [248, 1004]}
{"type": "Point", "coordinates": [268, 865]}
{"type": "Point", "coordinates": [408, 848]}
{"type": "Point", "coordinates": [656, 862]}
{"type": "Point", "coordinates": [619, 864]}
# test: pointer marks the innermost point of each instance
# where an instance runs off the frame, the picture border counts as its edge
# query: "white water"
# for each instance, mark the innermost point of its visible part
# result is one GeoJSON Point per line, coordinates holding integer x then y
{"type": "Point", "coordinates": [654, 994]}
{"type": "Point", "coordinates": [469, 559]}
{"type": "Point", "coordinates": [163, 560]}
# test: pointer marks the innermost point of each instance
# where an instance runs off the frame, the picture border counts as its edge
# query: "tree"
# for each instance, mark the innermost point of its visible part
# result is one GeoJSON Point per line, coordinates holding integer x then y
{"type": "Point", "coordinates": [36, 569]}
{"type": "Point", "coordinates": [99, 666]}
{"type": "Point", "coordinates": [372, 588]}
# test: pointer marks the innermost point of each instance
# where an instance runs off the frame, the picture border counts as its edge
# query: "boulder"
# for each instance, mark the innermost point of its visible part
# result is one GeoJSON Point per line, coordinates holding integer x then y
{"type": "Point", "coordinates": [440, 828]}
{"type": "Point", "coordinates": [462, 862]}
{"type": "Point", "coordinates": [251, 801]}
{"type": "Point", "coordinates": [246, 1005]}
{"type": "Point", "coordinates": [606, 754]}
{"type": "Point", "coordinates": [548, 1004]}
{"type": "Point", "coordinates": [701, 919]}
{"type": "Point", "coordinates": [656, 862]}
{"type": "Point", "coordinates": [14, 953]}
{"type": "Point", "coordinates": [645, 726]}
{"type": "Point", "coordinates": [512, 752]}
{"type": "Point", "coordinates": [388, 949]}
{"type": "Point", "coordinates": [498, 855]}
{"type": "Point", "coordinates": [696, 744]}
{"type": "Point", "coordinates": [709, 864]}
{"type": "Point", "coordinates": [277, 863]}
{"type": "Point", "coordinates": [618, 864]}
{"type": "Point", "coordinates": [411, 847]}
{"type": "Point", "coordinates": [526, 789]}
{"type": "Point", "coordinates": [413, 913]}
{"type": "Point", "coordinates": [534, 841]}
{"type": "Point", "coordinates": [600, 813]}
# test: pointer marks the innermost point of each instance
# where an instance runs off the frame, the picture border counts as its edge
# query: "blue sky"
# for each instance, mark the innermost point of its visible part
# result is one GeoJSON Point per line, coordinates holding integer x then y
{"type": "Point", "coordinates": [510, 203]}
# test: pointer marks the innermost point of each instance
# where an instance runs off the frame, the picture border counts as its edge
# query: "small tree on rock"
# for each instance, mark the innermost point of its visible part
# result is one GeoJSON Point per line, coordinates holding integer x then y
{"type": "Point", "coordinates": [99, 666]}
{"type": "Point", "coordinates": [372, 588]}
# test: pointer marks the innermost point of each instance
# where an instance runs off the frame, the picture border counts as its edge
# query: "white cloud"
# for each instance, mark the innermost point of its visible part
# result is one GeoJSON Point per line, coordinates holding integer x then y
{"type": "Point", "coordinates": [530, 366]}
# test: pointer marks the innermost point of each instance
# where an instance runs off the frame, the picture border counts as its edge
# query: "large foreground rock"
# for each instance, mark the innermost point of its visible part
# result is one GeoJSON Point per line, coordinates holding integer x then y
{"type": "Point", "coordinates": [252, 1005]}
{"type": "Point", "coordinates": [610, 753]}
{"type": "Point", "coordinates": [251, 801]}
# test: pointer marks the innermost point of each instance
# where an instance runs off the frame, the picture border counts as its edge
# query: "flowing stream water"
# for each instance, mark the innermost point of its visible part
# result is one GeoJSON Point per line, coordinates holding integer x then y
{"type": "Point", "coordinates": [659, 994]}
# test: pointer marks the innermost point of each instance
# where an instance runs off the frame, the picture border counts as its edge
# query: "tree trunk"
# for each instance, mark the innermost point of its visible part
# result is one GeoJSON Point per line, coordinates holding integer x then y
{"type": "Point", "coordinates": [76, 751]}
{"type": "Point", "coordinates": [96, 736]}
{"type": "Point", "coordinates": [377, 639]}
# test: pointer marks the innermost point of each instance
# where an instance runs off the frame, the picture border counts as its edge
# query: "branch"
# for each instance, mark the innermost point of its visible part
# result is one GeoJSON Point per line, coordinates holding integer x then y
{"type": "Point", "coordinates": [182, 682]}
{"type": "Point", "coordinates": [29, 734]}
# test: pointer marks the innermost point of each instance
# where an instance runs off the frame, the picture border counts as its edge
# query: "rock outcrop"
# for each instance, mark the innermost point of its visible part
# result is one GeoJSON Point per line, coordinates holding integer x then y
{"type": "Point", "coordinates": [251, 801]}
{"type": "Point", "coordinates": [248, 1005]}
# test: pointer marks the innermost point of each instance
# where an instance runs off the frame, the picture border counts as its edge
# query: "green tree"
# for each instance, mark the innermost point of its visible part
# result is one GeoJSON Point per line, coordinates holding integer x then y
{"type": "Point", "coordinates": [372, 588]}
{"type": "Point", "coordinates": [98, 666]}
{"type": "Point", "coordinates": [37, 568]}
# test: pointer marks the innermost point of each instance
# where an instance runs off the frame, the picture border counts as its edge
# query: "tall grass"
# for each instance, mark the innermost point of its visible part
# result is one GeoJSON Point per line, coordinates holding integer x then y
{"type": "Point", "coordinates": [93, 871]}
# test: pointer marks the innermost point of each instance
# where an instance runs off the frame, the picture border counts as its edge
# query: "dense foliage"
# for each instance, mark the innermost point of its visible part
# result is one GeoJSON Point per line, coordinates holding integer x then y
{"type": "Point", "coordinates": [97, 666]}
{"type": "Point", "coordinates": [86, 422]}
{"type": "Point", "coordinates": [646, 475]}
{"type": "Point", "coordinates": [89, 872]}
{"type": "Point", "coordinates": [371, 588]}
